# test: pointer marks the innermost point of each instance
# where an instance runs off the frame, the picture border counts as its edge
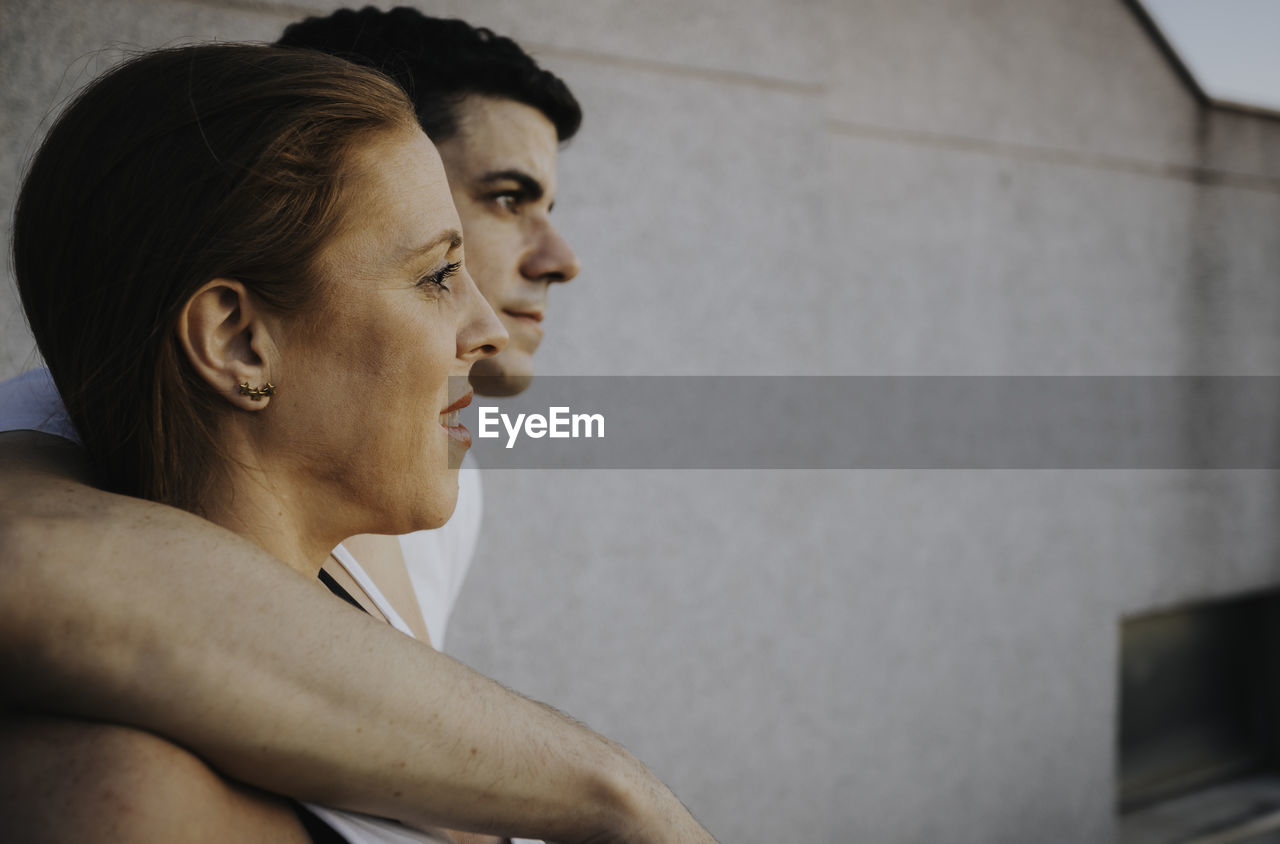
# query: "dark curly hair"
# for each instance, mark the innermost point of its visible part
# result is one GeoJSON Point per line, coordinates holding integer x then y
{"type": "Point", "coordinates": [439, 62]}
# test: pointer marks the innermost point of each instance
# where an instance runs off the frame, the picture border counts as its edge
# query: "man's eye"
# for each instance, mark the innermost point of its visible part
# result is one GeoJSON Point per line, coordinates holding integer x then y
{"type": "Point", "coordinates": [442, 275]}
{"type": "Point", "coordinates": [507, 201]}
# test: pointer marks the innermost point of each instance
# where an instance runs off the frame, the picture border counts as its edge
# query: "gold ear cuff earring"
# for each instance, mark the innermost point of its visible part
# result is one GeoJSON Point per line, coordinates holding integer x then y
{"type": "Point", "coordinates": [257, 393]}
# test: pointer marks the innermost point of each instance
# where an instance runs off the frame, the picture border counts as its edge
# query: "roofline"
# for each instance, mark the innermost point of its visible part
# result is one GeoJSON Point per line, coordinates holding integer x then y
{"type": "Point", "coordinates": [1249, 109]}
{"type": "Point", "coordinates": [1184, 73]}
{"type": "Point", "coordinates": [1167, 50]}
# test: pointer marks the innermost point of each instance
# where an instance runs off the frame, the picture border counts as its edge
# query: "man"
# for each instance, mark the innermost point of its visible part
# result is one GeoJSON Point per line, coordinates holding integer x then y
{"type": "Point", "coordinates": [117, 609]}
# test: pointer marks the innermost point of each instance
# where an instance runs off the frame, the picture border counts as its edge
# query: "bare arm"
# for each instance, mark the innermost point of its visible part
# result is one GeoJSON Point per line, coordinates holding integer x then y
{"type": "Point", "coordinates": [128, 611]}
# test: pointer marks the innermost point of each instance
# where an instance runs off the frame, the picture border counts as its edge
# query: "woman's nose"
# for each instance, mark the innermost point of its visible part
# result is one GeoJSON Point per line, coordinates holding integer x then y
{"type": "Point", "coordinates": [480, 334]}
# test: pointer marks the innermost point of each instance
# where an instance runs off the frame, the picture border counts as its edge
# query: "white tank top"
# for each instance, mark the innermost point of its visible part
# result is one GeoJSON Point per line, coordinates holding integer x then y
{"type": "Point", "coordinates": [366, 829]}
{"type": "Point", "coordinates": [355, 827]}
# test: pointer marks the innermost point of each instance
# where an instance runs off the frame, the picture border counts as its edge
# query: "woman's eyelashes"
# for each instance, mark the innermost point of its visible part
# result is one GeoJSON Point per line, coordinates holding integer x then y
{"type": "Point", "coordinates": [440, 276]}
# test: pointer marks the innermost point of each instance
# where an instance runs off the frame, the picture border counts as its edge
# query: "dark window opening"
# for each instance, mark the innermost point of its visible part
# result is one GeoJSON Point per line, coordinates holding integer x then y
{"type": "Point", "coordinates": [1199, 699]}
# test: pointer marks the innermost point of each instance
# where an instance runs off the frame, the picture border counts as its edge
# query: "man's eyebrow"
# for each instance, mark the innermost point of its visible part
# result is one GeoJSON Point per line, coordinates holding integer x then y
{"type": "Point", "coordinates": [451, 236]}
{"type": "Point", "coordinates": [529, 186]}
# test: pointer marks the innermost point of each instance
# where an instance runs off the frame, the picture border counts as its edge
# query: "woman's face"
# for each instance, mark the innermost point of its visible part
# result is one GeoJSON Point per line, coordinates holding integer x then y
{"type": "Point", "coordinates": [365, 382]}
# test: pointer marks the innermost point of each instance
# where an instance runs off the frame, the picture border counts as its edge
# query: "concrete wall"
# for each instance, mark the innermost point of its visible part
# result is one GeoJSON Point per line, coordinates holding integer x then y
{"type": "Point", "coordinates": [869, 186]}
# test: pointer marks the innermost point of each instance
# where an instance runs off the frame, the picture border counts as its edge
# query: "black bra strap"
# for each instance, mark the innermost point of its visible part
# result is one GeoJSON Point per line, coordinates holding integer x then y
{"type": "Point", "coordinates": [336, 588]}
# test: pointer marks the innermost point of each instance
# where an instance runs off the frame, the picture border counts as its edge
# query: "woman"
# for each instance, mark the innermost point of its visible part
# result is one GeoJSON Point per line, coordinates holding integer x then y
{"type": "Point", "coordinates": [244, 270]}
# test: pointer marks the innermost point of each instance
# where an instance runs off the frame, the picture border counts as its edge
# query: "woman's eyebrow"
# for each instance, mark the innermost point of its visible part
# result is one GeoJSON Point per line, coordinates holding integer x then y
{"type": "Point", "coordinates": [451, 236]}
{"type": "Point", "coordinates": [529, 186]}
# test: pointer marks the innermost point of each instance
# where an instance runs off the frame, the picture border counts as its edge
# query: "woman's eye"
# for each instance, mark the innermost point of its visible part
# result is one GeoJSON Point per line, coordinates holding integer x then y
{"type": "Point", "coordinates": [442, 275]}
{"type": "Point", "coordinates": [507, 201]}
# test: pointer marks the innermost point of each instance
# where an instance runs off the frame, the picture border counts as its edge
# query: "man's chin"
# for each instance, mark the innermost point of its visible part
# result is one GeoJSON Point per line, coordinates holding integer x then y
{"type": "Point", "coordinates": [494, 379]}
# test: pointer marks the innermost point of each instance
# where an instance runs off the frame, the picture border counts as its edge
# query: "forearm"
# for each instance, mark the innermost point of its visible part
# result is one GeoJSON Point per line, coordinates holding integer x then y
{"type": "Point", "coordinates": [130, 612]}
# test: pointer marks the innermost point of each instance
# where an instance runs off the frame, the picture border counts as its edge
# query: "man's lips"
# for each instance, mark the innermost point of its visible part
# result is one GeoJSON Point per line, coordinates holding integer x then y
{"type": "Point", "coordinates": [532, 315]}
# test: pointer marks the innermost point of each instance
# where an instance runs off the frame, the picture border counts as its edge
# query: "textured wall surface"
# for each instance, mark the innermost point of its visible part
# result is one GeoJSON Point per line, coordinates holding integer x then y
{"type": "Point", "coordinates": [862, 187]}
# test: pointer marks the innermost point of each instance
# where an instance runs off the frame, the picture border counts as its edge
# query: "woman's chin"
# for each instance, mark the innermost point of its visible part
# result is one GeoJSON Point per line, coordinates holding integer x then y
{"type": "Point", "coordinates": [442, 505]}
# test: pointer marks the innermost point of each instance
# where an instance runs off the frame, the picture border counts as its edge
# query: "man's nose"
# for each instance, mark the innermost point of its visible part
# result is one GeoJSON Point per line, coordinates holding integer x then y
{"type": "Point", "coordinates": [551, 259]}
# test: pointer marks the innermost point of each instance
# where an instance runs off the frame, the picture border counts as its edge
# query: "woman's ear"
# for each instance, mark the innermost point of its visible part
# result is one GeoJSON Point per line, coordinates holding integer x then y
{"type": "Point", "coordinates": [224, 332]}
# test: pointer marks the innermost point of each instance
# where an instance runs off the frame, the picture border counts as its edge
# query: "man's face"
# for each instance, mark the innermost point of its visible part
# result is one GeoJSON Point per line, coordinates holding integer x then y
{"type": "Point", "coordinates": [501, 167]}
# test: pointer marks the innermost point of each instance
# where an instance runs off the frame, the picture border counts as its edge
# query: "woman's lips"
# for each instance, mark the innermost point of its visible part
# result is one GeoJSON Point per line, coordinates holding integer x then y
{"type": "Point", "coordinates": [459, 434]}
{"type": "Point", "coordinates": [463, 401]}
{"type": "Point", "coordinates": [450, 420]}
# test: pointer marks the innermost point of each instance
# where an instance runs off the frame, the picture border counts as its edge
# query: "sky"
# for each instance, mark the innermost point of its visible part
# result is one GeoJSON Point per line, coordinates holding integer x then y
{"type": "Point", "coordinates": [1232, 47]}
